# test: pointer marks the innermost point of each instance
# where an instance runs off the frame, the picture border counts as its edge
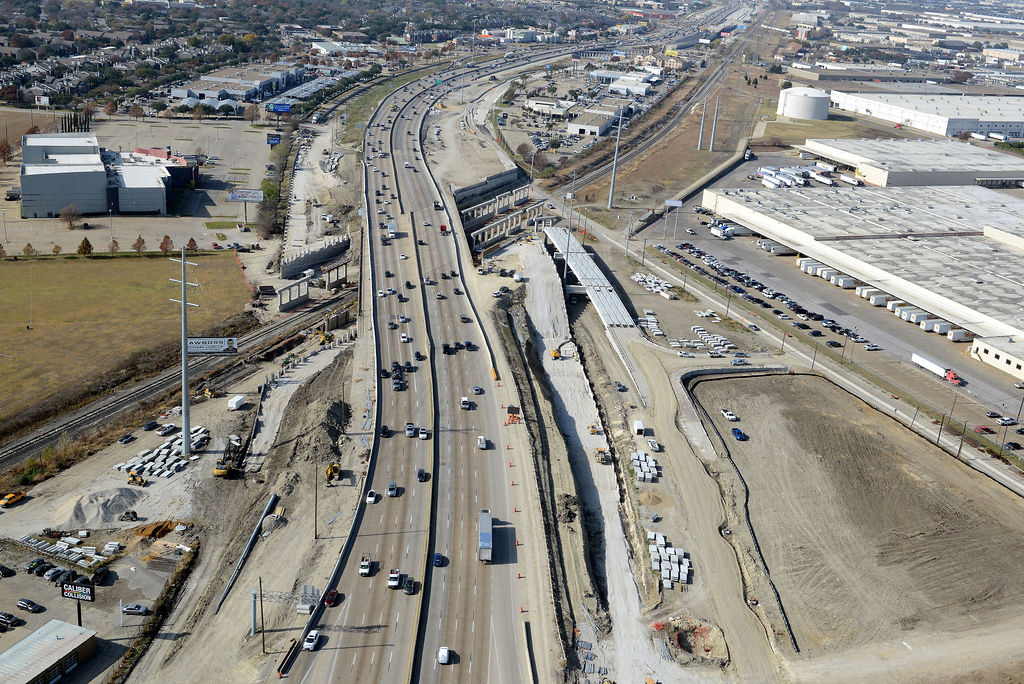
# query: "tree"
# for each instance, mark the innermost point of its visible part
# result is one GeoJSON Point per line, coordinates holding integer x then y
{"type": "Point", "coordinates": [28, 250]}
{"type": "Point", "coordinates": [69, 215]}
{"type": "Point", "coordinates": [57, 249]}
{"type": "Point", "coordinates": [136, 112]}
{"type": "Point", "coordinates": [226, 109]}
{"type": "Point", "coordinates": [961, 76]}
{"type": "Point", "coordinates": [199, 151]}
{"type": "Point", "coordinates": [5, 152]}
{"type": "Point", "coordinates": [113, 247]}
{"type": "Point", "coordinates": [159, 107]}
{"type": "Point", "coordinates": [88, 110]}
{"type": "Point", "coordinates": [167, 244]}
{"type": "Point", "coordinates": [524, 150]}
{"type": "Point", "coordinates": [84, 247]}
{"type": "Point", "coordinates": [785, 85]}
{"type": "Point", "coordinates": [110, 108]}
{"type": "Point", "coordinates": [3, 252]}
{"type": "Point", "coordinates": [139, 245]}
{"type": "Point", "coordinates": [252, 113]}
{"type": "Point", "coordinates": [192, 245]}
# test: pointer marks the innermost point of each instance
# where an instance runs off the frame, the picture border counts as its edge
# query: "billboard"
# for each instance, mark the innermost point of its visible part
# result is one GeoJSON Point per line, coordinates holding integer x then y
{"type": "Point", "coordinates": [213, 346]}
{"type": "Point", "coordinates": [42, 100]}
{"type": "Point", "coordinates": [273, 138]}
{"type": "Point", "coordinates": [80, 592]}
{"type": "Point", "coordinates": [673, 203]}
{"type": "Point", "coordinates": [245, 196]}
{"type": "Point", "coordinates": [278, 107]}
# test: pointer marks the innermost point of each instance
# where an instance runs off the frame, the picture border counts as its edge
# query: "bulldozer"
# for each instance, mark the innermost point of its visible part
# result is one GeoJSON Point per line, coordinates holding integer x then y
{"type": "Point", "coordinates": [332, 471]}
{"type": "Point", "coordinates": [129, 515]}
{"type": "Point", "coordinates": [135, 479]}
{"type": "Point", "coordinates": [601, 455]}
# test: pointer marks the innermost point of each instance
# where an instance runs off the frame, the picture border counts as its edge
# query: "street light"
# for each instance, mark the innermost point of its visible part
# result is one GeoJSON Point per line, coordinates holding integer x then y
{"type": "Point", "coordinates": [532, 157]}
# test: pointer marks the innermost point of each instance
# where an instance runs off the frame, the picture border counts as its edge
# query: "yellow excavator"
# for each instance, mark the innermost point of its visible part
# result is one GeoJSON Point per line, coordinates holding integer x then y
{"type": "Point", "coordinates": [232, 458]}
{"type": "Point", "coordinates": [323, 337]}
{"type": "Point", "coordinates": [332, 471]}
{"type": "Point", "coordinates": [135, 479]}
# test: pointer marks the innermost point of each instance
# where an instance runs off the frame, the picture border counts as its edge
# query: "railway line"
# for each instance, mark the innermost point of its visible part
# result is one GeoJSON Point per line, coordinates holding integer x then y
{"type": "Point", "coordinates": [77, 422]}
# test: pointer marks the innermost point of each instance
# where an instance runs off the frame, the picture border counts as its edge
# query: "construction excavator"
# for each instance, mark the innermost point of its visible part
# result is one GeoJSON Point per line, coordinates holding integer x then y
{"type": "Point", "coordinates": [323, 337]}
{"type": "Point", "coordinates": [129, 515]}
{"type": "Point", "coordinates": [231, 459]}
{"type": "Point", "coordinates": [601, 455]}
{"type": "Point", "coordinates": [332, 471]}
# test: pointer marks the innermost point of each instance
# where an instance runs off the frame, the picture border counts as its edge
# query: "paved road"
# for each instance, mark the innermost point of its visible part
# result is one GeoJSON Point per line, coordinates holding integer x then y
{"type": "Point", "coordinates": [374, 630]}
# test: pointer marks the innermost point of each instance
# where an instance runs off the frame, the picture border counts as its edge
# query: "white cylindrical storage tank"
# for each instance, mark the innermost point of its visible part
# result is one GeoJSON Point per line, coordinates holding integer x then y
{"type": "Point", "coordinates": [803, 103]}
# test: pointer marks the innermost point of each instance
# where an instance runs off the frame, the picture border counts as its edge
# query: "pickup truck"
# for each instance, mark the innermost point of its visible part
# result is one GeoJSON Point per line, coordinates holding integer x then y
{"type": "Point", "coordinates": [365, 565]}
{"type": "Point", "coordinates": [393, 579]}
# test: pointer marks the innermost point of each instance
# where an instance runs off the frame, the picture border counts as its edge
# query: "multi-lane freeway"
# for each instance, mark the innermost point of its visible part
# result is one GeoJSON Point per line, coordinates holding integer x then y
{"type": "Point", "coordinates": [421, 304]}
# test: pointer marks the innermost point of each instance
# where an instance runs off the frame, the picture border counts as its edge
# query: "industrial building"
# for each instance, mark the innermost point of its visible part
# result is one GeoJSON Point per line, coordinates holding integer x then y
{"type": "Point", "coordinates": [954, 252]}
{"type": "Point", "coordinates": [61, 169]}
{"type": "Point", "coordinates": [48, 654]}
{"type": "Point", "coordinates": [590, 124]}
{"type": "Point", "coordinates": [899, 162]}
{"type": "Point", "coordinates": [942, 114]}
{"type": "Point", "coordinates": [803, 103]}
{"type": "Point", "coordinates": [243, 84]}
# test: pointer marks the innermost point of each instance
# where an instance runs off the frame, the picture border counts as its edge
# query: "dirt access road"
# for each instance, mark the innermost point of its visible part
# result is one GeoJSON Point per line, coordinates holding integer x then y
{"type": "Point", "coordinates": [880, 544]}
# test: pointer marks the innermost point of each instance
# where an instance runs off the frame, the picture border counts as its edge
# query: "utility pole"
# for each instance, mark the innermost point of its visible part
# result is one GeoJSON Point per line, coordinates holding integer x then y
{"type": "Point", "coordinates": [714, 125]}
{"type": "Point", "coordinates": [629, 229]}
{"type": "Point", "coordinates": [615, 160]}
{"type": "Point", "coordinates": [186, 428]}
{"type": "Point", "coordinates": [703, 112]}
{"type": "Point", "coordinates": [263, 623]}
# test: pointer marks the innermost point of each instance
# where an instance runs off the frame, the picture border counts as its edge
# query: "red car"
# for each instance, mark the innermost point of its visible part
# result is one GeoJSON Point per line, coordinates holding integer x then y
{"type": "Point", "coordinates": [331, 598]}
{"type": "Point", "coordinates": [982, 430]}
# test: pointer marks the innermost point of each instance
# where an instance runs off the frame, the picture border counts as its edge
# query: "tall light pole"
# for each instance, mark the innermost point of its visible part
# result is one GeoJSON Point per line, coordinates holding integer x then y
{"type": "Point", "coordinates": [5, 226]}
{"type": "Point", "coordinates": [532, 157]}
{"type": "Point", "coordinates": [186, 428]}
{"type": "Point", "coordinates": [615, 160]}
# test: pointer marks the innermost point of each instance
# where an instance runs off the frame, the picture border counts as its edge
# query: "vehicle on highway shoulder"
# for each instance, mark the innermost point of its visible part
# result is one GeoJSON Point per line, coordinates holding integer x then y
{"type": "Point", "coordinates": [312, 640]}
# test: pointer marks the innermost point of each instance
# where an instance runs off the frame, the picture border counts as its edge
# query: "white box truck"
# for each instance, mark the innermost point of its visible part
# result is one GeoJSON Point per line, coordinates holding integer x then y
{"type": "Point", "coordinates": [236, 402]}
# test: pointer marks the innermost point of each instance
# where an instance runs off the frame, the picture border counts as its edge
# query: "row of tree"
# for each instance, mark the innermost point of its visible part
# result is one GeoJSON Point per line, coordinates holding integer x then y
{"type": "Point", "coordinates": [85, 247]}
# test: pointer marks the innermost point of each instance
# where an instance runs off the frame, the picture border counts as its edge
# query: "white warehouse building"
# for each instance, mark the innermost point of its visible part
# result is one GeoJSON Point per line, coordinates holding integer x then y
{"type": "Point", "coordinates": [905, 161]}
{"type": "Point", "coordinates": [61, 169]}
{"type": "Point", "coordinates": [954, 252]}
{"type": "Point", "coordinates": [942, 114]}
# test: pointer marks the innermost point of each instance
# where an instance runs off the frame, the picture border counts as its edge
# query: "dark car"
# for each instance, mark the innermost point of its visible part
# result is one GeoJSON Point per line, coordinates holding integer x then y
{"type": "Point", "coordinates": [833, 344]}
{"type": "Point", "coordinates": [408, 285]}
{"type": "Point", "coordinates": [124, 439]}
{"type": "Point", "coordinates": [331, 598]}
{"type": "Point", "coordinates": [816, 333]}
{"type": "Point", "coordinates": [29, 605]}
{"type": "Point", "coordinates": [438, 560]}
{"type": "Point", "coordinates": [384, 373]}
{"type": "Point", "coordinates": [33, 564]}
{"type": "Point", "coordinates": [6, 571]}
{"type": "Point", "coordinates": [421, 475]}
{"type": "Point", "coordinates": [8, 619]}
{"type": "Point", "coordinates": [42, 569]}
{"type": "Point", "coordinates": [409, 586]}
{"type": "Point", "coordinates": [1012, 446]}
{"type": "Point", "coordinates": [739, 435]}
{"type": "Point", "coordinates": [419, 356]}
{"type": "Point", "coordinates": [150, 425]}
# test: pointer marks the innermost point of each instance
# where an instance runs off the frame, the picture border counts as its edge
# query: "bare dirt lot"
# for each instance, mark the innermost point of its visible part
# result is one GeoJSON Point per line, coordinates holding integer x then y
{"type": "Point", "coordinates": [871, 535]}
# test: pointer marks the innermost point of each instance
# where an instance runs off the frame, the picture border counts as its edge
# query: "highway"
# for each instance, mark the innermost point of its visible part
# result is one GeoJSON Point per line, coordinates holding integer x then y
{"type": "Point", "coordinates": [469, 605]}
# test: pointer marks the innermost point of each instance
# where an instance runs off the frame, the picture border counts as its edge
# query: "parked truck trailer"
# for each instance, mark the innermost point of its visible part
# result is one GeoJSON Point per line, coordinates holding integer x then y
{"type": "Point", "coordinates": [947, 374]}
{"type": "Point", "coordinates": [486, 537]}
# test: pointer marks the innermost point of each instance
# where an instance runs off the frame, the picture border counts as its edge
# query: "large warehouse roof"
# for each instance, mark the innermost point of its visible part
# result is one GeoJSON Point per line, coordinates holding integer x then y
{"type": "Point", "coordinates": [953, 251]}
{"type": "Point", "coordinates": [984, 108]}
{"type": "Point", "coordinates": [918, 162]}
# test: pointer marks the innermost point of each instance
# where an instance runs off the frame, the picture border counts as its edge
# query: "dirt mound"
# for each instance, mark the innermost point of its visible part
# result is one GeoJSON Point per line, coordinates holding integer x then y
{"type": "Point", "coordinates": [97, 509]}
{"type": "Point", "coordinates": [157, 530]}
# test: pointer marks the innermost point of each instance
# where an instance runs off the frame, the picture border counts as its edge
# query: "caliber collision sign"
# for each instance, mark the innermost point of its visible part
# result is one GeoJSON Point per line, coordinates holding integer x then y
{"type": "Point", "coordinates": [219, 346]}
{"type": "Point", "coordinates": [240, 195]}
{"type": "Point", "coordinates": [80, 592]}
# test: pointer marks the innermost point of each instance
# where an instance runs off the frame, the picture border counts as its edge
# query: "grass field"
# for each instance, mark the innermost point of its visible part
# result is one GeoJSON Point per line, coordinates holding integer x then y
{"type": "Point", "coordinates": [89, 315]}
{"type": "Point", "coordinates": [837, 126]}
{"type": "Point", "coordinates": [360, 108]}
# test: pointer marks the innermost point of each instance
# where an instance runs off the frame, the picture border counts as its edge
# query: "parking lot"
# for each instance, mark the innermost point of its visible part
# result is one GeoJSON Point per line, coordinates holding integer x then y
{"type": "Point", "coordinates": [239, 153]}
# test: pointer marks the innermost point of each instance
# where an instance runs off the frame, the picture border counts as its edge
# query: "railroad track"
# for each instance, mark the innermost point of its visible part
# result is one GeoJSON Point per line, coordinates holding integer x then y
{"type": "Point", "coordinates": [657, 136]}
{"type": "Point", "coordinates": [105, 408]}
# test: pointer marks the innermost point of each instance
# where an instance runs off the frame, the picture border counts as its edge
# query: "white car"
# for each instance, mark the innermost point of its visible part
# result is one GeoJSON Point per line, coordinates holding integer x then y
{"type": "Point", "coordinates": [403, 256]}
{"type": "Point", "coordinates": [426, 223]}
{"type": "Point", "coordinates": [371, 497]}
{"type": "Point", "coordinates": [729, 415]}
{"type": "Point", "coordinates": [405, 338]}
{"type": "Point", "coordinates": [312, 639]}
{"type": "Point", "coordinates": [653, 444]}
{"type": "Point", "coordinates": [382, 294]}
{"type": "Point", "coordinates": [423, 434]}
{"type": "Point", "coordinates": [166, 429]}
{"type": "Point", "coordinates": [443, 655]}
{"type": "Point", "coordinates": [1006, 421]}
{"type": "Point", "coordinates": [685, 354]}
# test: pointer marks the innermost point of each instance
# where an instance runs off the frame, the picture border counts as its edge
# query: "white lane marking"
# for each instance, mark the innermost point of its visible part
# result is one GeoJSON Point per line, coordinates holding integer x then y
{"type": "Point", "coordinates": [908, 646]}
